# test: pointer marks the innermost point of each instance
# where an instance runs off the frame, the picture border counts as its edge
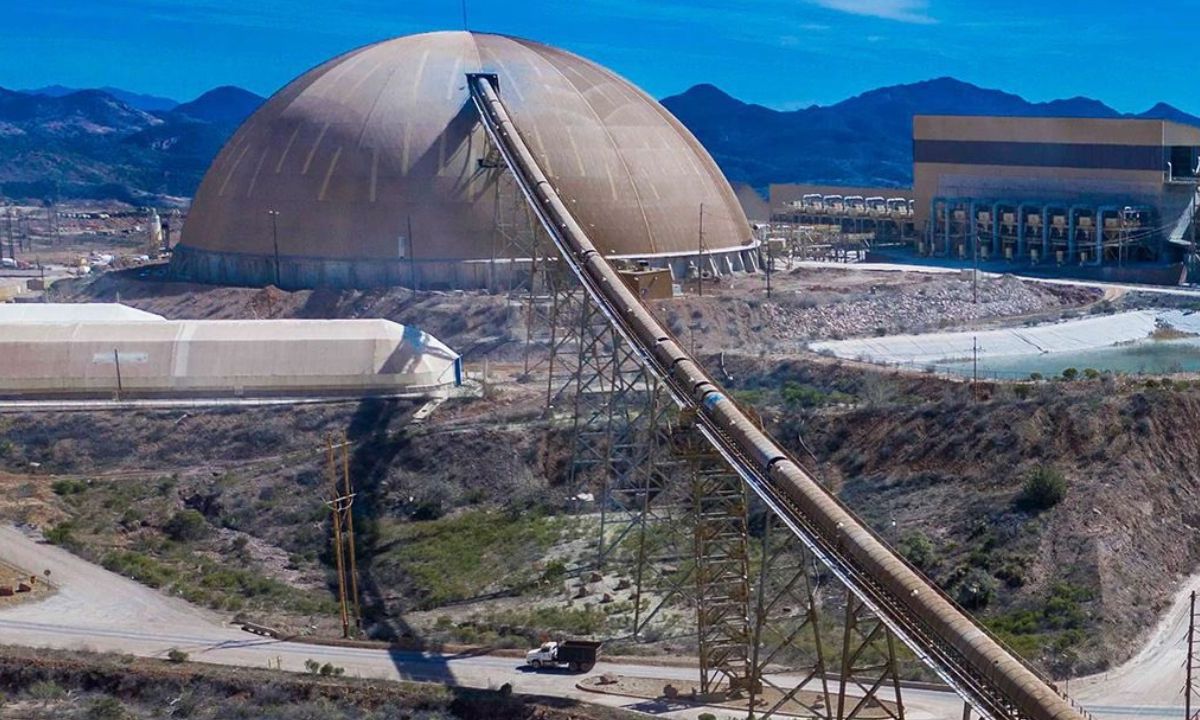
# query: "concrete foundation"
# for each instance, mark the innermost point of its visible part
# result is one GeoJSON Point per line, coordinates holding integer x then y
{"type": "Point", "coordinates": [294, 273]}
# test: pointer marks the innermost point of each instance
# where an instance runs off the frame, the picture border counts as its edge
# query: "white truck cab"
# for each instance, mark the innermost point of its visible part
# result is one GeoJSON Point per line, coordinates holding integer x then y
{"type": "Point", "coordinates": [542, 656]}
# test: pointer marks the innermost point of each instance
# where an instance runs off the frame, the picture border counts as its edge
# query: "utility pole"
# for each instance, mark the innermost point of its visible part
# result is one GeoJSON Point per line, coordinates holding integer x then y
{"type": "Point", "coordinates": [1189, 689]}
{"type": "Point", "coordinates": [341, 505]}
{"type": "Point", "coordinates": [975, 367]}
{"type": "Point", "coordinates": [770, 267]}
{"type": "Point", "coordinates": [700, 255]}
{"type": "Point", "coordinates": [12, 248]}
{"type": "Point", "coordinates": [412, 256]}
{"type": "Point", "coordinates": [117, 361]}
{"type": "Point", "coordinates": [975, 273]}
{"type": "Point", "coordinates": [275, 243]}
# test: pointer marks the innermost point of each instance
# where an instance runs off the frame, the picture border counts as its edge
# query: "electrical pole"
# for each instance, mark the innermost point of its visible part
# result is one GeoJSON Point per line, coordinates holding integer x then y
{"type": "Point", "coordinates": [975, 273]}
{"type": "Point", "coordinates": [341, 505]}
{"type": "Point", "coordinates": [412, 255]}
{"type": "Point", "coordinates": [700, 255]}
{"type": "Point", "coordinates": [1190, 689]}
{"type": "Point", "coordinates": [975, 367]}
{"type": "Point", "coordinates": [770, 267]}
{"type": "Point", "coordinates": [275, 241]}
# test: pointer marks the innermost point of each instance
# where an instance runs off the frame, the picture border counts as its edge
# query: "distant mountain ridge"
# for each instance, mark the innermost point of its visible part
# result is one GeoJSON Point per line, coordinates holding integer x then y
{"type": "Point", "coordinates": [68, 143]}
{"type": "Point", "coordinates": [59, 142]}
{"type": "Point", "coordinates": [141, 101]}
{"type": "Point", "coordinates": [864, 140]}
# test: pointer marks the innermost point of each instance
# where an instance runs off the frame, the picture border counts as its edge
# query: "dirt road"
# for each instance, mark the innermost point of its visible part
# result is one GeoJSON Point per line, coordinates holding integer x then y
{"type": "Point", "coordinates": [100, 611]}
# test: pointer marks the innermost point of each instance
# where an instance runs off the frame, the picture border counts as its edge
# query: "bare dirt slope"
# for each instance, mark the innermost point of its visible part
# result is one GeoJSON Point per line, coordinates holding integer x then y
{"type": "Point", "coordinates": [472, 323]}
{"type": "Point", "coordinates": [1074, 586]}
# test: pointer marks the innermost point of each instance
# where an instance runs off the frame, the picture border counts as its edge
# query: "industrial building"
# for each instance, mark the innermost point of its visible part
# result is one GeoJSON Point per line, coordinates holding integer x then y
{"type": "Point", "coordinates": [111, 351]}
{"type": "Point", "coordinates": [1060, 191]}
{"type": "Point", "coordinates": [372, 169]}
{"type": "Point", "coordinates": [1102, 198]}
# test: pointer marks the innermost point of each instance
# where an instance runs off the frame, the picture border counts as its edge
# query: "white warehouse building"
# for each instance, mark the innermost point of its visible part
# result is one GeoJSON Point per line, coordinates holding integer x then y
{"type": "Point", "coordinates": [93, 351]}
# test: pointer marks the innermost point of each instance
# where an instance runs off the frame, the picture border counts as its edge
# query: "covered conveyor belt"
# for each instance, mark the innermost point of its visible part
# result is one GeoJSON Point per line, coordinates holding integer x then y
{"type": "Point", "coordinates": [985, 673]}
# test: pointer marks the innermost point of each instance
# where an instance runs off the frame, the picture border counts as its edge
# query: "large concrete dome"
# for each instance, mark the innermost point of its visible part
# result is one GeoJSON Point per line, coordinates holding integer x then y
{"type": "Point", "coordinates": [376, 165]}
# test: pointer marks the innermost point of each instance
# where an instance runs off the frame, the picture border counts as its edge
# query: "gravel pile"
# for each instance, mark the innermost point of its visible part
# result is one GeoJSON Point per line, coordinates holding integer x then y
{"type": "Point", "coordinates": [891, 310]}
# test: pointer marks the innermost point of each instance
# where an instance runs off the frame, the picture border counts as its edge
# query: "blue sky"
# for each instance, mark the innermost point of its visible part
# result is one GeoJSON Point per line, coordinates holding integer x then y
{"type": "Point", "coordinates": [780, 53]}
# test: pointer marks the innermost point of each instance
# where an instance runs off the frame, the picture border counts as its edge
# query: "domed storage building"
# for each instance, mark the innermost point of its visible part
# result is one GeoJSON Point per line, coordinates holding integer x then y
{"type": "Point", "coordinates": [373, 169]}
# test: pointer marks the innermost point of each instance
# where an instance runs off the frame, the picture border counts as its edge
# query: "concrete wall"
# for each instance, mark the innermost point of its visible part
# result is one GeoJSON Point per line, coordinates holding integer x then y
{"type": "Point", "coordinates": [243, 269]}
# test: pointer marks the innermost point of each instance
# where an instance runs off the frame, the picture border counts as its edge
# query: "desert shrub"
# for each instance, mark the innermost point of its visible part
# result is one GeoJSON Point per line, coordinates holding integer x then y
{"type": "Point", "coordinates": [61, 534]}
{"type": "Point", "coordinates": [186, 526]}
{"type": "Point", "coordinates": [1091, 373]}
{"type": "Point", "coordinates": [976, 590]}
{"type": "Point", "coordinates": [331, 670]}
{"type": "Point", "coordinates": [176, 655]}
{"type": "Point", "coordinates": [1070, 373]}
{"type": "Point", "coordinates": [312, 666]}
{"type": "Point", "coordinates": [68, 486]}
{"type": "Point", "coordinates": [1035, 376]}
{"type": "Point", "coordinates": [105, 708]}
{"type": "Point", "coordinates": [919, 550]}
{"type": "Point", "coordinates": [1044, 488]}
{"type": "Point", "coordinates": [45, 690]}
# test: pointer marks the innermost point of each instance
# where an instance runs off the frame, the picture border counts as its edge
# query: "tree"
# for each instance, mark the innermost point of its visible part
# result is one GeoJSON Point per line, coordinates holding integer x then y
{"type": "Point", "coordinates": [1070, 373]}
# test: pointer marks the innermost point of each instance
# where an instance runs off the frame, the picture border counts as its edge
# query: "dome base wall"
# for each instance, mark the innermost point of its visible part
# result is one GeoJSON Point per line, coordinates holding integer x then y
{"type": "Point", "coordinates": [297, 273]}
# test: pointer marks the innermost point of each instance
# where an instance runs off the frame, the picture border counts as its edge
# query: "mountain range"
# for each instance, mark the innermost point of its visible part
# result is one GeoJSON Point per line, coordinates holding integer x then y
{"type": "Point", "coordinates": [863, 141]}
{"type": "Point", "coordinates": [67, 143]}
{"type": "Point", "coordinates": [111, 143]}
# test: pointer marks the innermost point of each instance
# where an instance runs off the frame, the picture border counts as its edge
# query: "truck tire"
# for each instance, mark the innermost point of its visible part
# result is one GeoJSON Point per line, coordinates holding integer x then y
{"type": "Point", "coordinates": [574, 667]}
{"type": "Point", "coordinates": [536, 664]}
{"type": "Point", "coordinates": [587, 667]}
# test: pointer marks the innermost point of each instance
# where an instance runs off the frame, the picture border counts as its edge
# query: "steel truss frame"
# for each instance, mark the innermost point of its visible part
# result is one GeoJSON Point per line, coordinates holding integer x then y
{"type": "Point", "coordinates": [624, 441]}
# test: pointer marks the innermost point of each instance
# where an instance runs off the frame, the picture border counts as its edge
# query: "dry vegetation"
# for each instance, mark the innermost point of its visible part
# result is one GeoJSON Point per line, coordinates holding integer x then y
{"type": "Point", "coordinates": [45, 685]}
{"type": "Point", "coordinates": [968, 486]}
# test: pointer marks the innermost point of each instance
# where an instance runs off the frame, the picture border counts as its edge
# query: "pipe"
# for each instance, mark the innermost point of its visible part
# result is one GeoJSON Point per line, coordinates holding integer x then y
{"type": "Point", "coordinates": [962, 652]}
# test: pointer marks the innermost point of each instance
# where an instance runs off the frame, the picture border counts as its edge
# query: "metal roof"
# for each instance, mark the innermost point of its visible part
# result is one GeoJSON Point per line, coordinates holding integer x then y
{"type": "Point", "coordinates": [358, 149]}
{"type": "Point", "coordinates": [73, 313]}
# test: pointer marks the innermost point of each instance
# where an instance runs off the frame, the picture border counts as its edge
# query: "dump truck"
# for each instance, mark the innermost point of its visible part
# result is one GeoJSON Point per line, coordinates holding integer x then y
{"type": "Point", "coordinates": [577, 655]}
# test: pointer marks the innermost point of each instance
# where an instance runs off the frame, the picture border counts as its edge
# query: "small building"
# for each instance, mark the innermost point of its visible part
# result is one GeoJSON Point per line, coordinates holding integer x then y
{"type": "Point", "coordinates": [649, 283]}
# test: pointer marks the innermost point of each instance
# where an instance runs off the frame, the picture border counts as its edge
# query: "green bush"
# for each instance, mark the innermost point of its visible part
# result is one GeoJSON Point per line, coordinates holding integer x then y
{"type": "Point", "coordinates": [919, 551]}
{"type": "Point", "coordinates": [45, 690]}
{"type": "Point", "coordinates": [176, 655]}
{"type": "Point", "coordinates": [1091, 373]}
{"type": "Point", "coordinates": [1044, 488]}
{"type": "Point", "coordinates": [105, 708]}
{"type": "Point", "coordinates": [976, 590]}
{"type": "Point", "coordinates": [61, 534]}
{"type": "Point", "coordinates": [186, 526]}
{"type": "Point", "coordinates": [1035, 376]}
{"type": "Point", "coordinates": [312, 666]}
{"type": "Point", "coordinates": [68, 486]}
{"type": "Point", "coordinates": [1070, 373]}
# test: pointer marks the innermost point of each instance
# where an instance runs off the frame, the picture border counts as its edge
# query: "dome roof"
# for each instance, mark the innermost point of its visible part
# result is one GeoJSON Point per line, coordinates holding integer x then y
{"type": "Point", "coordinates": [358, 150]}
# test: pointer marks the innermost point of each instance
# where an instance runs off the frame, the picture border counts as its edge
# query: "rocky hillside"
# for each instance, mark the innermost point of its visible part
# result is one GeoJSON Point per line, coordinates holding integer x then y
{"type": "Point", "coordinates": [91, 144]}
{"type": "Point", "coordinates": [1075, 579]}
